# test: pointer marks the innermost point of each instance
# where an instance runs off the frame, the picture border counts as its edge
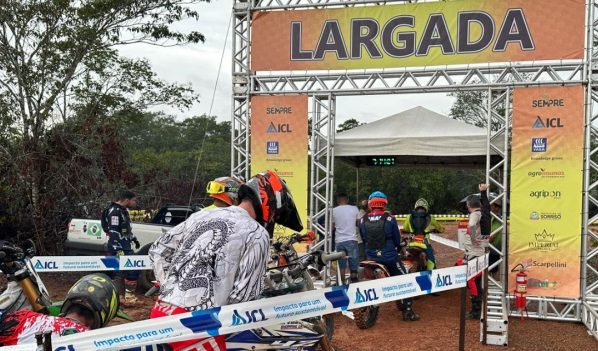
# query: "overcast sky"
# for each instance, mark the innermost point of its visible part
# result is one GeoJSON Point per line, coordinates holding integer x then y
{"type": "Point", "coordinates": [198, 65]}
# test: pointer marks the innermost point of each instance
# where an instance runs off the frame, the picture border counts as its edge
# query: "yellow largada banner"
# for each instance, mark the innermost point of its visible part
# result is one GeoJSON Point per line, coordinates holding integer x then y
{"type": "Point", "coordinates": [546, 188]}
{"type": "Point", "coordinates": [421, 34]}
{"type": "Point", "coordinates": [279, 142]}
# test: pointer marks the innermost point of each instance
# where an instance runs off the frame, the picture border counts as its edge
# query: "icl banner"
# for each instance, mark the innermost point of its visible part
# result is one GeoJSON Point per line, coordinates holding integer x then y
{"type": "Point", "coordinates": [279, 142]}
{"type": "Point", "coordinates": [546, 188]}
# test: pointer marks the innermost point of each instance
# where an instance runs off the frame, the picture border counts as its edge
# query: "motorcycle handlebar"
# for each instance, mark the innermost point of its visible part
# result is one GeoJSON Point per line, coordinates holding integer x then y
{"type": "Point", "coordinates": [333, 256]}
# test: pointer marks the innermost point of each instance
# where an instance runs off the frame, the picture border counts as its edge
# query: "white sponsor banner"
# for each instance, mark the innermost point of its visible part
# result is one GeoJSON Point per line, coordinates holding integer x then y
{"type": "Point", "coordinates": [477, 265]}
{"type": "Point", "coordinates": [90, 263]}
{"type": "Point", "coordinates": [261, 313]}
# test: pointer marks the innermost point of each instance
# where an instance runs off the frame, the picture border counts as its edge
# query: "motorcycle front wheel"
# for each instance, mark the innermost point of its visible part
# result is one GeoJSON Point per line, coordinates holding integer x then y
{"type": "Point", "coordinates": [366, 317]}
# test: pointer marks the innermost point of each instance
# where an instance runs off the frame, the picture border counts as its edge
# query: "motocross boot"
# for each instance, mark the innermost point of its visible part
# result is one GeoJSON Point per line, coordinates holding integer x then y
{"type": "Point", "coordinates": [130, 299]}
{"type": "Point", "coordinates": [354, 277]}
{"type": "Point", "coordinates": [476, 308]}
{"type": "Point", "coordinates": [408, 314]}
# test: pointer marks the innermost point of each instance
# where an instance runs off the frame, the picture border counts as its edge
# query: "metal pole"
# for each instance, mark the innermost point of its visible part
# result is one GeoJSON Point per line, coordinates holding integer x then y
{"type": "Point", "coordinates": [587, 145]}
{"type": "Point", "coordinates": [505, 230]}
{"type": "Point", "coordinates": [462, 313]}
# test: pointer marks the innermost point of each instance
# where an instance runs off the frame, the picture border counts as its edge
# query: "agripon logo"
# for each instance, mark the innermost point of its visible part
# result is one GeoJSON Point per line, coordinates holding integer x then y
{"type": "Point", "coordinates": [250, 317]}
{"type": "Point", "coordinates": [366, 295]}
{"type": "Point", "coordinates": [134, 263]}
{"type": "Point", "coordinates": [45, 265]}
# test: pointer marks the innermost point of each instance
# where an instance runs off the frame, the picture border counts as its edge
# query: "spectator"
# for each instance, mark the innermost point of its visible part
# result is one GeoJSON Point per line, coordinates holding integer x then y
{"type": "Point", "coordinates": [346, 219]}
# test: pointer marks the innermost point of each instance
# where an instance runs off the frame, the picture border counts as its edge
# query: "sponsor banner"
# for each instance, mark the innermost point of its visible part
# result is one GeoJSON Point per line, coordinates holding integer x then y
{"type": "Point", "coordinates": [422, 34]}
{"type": "Point", "coordinates": [279, 142]}
{"type": "Point", "coordinates": [476, 265]}
{"type": "Point", "coordinates": [260, 313]}
{"type": "Point", "coordinates": [90, 263]}
{"type": "Point", "coordinates": [546, 188]}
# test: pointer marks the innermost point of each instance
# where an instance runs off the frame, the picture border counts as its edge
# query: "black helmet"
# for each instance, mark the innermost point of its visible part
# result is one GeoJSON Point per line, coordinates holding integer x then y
{"type": "Point", "coordinates": [275, 201]}
{"type": "Point", "coordinates": [96, 293]}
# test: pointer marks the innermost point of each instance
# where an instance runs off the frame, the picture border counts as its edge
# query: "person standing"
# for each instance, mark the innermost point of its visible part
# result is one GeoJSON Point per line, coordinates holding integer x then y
{"type": "Point", "coordinates": [117, 225]}
{"type": "Point", "coordinates": [345, 218]}
{"type": "Point", "coordinates": [219, 257]}
{"type": "Point", "coordinates": [476, 243]}
{"type": "Point", "coordinates": [380, 233]}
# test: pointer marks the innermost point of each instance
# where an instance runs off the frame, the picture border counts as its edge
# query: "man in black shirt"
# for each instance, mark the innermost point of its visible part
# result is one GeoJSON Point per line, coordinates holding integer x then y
{"type": "Point", "coordinates": [117, 225]}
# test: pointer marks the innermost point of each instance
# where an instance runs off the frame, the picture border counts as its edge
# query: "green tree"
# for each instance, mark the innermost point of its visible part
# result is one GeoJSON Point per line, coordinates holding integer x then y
{"type": "Point", "coordinates": [349, 124]}
{"type": "Point", "coordinates": [60, 72]}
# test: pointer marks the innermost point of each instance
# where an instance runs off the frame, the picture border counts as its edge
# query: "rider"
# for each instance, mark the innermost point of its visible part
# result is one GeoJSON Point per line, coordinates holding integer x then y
{"type": "Point", "coordinates": [117, 224]}
{"type": "Point", "coordinates": [421, 223]}
{"type": "Point", "coordinates": [380, 233]}
{"type": "Point", "coordinates": [90, 304]}
{"type": "Point", "coordinates": [224, 192]}
{"type": "Point", "coordinates": [219, 257]}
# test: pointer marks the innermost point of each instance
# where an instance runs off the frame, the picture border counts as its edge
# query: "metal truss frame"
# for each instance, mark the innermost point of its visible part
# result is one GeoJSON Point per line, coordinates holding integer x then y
{"type": "Point", "coordinates": [498, 78]}
{"type": "Point", "coordinates": [322, 166]}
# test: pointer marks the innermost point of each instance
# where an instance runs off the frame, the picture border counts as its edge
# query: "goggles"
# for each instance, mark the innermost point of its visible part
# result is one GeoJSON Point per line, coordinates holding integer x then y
{"type": "Point", "coordinates": [214, 188]}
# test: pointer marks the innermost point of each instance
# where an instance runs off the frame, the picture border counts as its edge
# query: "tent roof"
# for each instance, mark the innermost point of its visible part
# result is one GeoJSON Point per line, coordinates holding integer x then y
{"type": "Point", "coordinates": [417, 137]}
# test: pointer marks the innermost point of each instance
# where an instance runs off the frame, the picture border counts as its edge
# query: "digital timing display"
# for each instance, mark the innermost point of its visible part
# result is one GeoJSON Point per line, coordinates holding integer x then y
{"type": "Point", "coordinates": [382, 161]}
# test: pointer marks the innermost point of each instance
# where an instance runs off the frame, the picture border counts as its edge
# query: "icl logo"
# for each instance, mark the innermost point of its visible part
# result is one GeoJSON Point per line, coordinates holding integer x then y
{"type": "Point", "coordinates": [134, 263]}
{"type": "Point", "coordinates": [443, 280]}
{"type": "Point", "coordinates": [250, 317]}
{"type": "Point", "coordinates": [366, 295]}
{"type": "Point", "coordinates": [65, 348]}
{"type": "Point", "coordinates": [45, 265]}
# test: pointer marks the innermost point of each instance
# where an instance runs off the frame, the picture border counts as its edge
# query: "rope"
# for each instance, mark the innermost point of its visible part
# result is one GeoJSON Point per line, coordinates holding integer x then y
{"type": "Point", "coordinates": [210, 111]}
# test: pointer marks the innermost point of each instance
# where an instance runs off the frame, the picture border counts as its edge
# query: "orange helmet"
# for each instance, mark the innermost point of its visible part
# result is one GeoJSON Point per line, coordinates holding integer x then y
{"type": "Point", "coordinates": [224, 189]}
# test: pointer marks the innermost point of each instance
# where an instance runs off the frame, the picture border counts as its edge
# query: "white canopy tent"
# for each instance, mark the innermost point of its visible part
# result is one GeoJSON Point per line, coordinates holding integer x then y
{"type": "Point", "coordinates": [415, 137]}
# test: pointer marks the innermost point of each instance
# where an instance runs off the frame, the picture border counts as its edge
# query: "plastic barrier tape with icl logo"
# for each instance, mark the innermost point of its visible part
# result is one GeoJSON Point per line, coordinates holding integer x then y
{"type": "Point", "coordinates": [90, 263]}
{"type": "Point", "coordinates": [254, 314]}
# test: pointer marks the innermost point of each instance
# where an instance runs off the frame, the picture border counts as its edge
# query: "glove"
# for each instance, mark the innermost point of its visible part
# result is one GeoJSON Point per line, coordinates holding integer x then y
{"type": "Point", "coordinates": [136, 242]}
{"type": "Point", "coordinates": [120, 253]}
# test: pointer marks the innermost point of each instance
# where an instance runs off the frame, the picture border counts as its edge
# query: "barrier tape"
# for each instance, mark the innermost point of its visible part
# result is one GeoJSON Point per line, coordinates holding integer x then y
{"type": "Point", "coordinates": [444, 241]}
{"type": "Point", "coordinates": [127, 263]}
{"type": "Point", "coordinates": [90, 263]}
{"type": "Point", "coordinates": [261, 313]}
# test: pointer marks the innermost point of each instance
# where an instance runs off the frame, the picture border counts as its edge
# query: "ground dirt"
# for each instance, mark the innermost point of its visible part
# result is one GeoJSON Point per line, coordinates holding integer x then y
{"type": "Point", "coordinates": [438, 328]}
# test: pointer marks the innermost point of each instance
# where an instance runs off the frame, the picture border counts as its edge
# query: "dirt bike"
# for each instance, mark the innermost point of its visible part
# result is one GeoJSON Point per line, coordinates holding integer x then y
{"type": "Point", "coordinates": [288, 273]}
{"type": "Point", "coordinates": [366, 317]}
{"type": "Point", "coordinates": [25, 289]}
{"type": "Point", "coordinates": [413, 252]}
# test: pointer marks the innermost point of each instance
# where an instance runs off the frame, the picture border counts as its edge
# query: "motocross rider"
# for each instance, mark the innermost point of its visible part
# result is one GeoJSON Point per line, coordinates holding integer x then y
{"type": "Point", "coordinates": [219, 257]}
{"type": "Point", "coordinates": [224, 192]}
{"type": "Point", "coordinates": [421, 223]}
{"type": "Point", "coordinates": [380, 233]}
{"type": "Point", "coordinates": [90, 304]}
{"type": "Point", "coordinates": [117, 224]}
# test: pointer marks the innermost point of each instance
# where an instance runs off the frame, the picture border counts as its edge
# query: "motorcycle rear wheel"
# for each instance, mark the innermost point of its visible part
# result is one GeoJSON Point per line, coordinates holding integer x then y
{"type": "Point", "coordinates": [366, 317]}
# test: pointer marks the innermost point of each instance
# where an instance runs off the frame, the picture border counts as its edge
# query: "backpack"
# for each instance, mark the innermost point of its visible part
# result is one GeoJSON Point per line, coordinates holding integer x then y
{"type": "Point", "coordinates": [419, 221]}
{"type": "Point", "coordinates": [375, 233]}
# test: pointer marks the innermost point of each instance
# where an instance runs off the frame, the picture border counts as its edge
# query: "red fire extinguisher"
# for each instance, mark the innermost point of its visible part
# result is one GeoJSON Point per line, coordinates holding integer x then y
{"type": "Point", "coordinates": [520, 288]}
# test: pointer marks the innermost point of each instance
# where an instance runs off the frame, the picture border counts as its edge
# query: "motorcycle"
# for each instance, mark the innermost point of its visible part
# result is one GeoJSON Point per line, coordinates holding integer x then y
{"type": "Point", "coordinates": [413, 252]}
{"type": "Point", "coordinates": [25, 289]}
{"type": "Point", "coordinates": [288, 273]}
{"type": "Point", "coordinates": [366, 317]}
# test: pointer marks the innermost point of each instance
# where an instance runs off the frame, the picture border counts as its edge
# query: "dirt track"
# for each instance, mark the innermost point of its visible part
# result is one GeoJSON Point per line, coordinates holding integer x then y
{"type": "Point", "coordinates": [437, 330]}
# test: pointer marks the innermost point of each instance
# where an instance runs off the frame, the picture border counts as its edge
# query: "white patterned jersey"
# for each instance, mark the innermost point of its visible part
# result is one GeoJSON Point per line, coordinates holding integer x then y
{"type": "Point", "coordinates": [214, 258]}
